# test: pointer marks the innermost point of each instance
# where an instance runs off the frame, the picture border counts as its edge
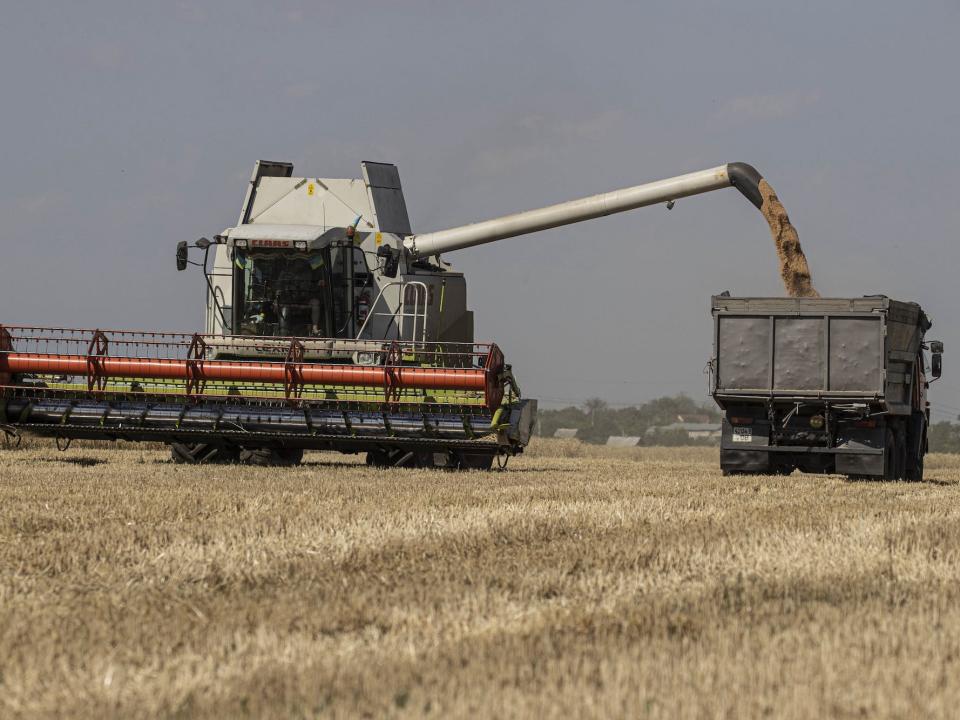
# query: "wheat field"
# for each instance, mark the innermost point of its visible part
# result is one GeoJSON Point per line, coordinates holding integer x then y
{"type": "Point", "coordinates": [579, 582]}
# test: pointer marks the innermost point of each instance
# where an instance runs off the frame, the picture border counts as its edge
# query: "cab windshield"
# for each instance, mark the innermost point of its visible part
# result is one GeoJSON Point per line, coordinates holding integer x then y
{"type": "Point", "coordinates": [304, 294]}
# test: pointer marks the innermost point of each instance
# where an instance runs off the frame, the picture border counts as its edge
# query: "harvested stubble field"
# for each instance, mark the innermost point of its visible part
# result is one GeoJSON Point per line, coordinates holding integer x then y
{"type": "Point", "coordinates": [581, 582]}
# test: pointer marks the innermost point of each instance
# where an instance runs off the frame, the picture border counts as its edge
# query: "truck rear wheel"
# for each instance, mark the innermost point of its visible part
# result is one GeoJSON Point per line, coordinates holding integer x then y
{"type": "Point", "coordinates": [915, 473]}
{"type": "Point", "coordinates": [916, 446]}
{"type": "Point", "coordinates": [895, 455]}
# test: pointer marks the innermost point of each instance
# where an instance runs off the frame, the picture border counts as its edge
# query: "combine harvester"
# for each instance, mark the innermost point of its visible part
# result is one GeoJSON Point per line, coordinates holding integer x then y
{"type": "Point", "coordinates": [329, 325]}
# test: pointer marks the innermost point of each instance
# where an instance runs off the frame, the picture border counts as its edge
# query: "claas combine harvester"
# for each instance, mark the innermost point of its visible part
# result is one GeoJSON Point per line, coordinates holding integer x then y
{"type": "Point", "coordinates": [329, 325]}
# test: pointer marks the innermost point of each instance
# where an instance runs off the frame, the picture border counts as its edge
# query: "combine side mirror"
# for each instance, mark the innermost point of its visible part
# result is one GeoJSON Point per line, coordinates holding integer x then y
{"type": "Point", "coordinates": [181, 255]}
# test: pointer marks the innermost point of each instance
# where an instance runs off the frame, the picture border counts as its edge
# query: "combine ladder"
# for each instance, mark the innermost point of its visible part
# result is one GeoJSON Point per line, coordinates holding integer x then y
{"type": "Point", "coordinates": [409, 319]}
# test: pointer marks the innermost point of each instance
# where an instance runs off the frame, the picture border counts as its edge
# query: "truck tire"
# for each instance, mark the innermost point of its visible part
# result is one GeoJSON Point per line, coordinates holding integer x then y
{"type": "Point", "coordinates": [915, 473]}
{"type": "Point", "coordinates": [202, 454]}
{"type": "Point", "coordinates": [888, 461]}
{"type": "Point", "coordinates": [902, 451]}
{"type": "Point", "coordinates": [895, 455]}
{"type": "Point", "coordinates": [916, 446]}
{"type": "Point", "coordinates": [271, 457]}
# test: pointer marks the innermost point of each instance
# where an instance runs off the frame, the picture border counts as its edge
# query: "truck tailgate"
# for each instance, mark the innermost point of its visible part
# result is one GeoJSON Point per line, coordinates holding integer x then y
{"type": "Point", "coordinates": [802, 354]}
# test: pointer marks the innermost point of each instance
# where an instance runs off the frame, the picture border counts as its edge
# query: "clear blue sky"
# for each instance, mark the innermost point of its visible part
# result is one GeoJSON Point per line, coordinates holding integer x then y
{"type": "Point", "coordinates": [130, 126]}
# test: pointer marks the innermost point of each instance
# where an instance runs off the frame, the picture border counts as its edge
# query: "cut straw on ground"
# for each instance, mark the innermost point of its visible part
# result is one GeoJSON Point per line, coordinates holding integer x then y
{"type": "Point", "coordinates": [581, 582]}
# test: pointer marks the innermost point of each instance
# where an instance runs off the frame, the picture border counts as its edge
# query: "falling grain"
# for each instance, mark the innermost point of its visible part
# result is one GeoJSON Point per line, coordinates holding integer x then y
{"type": "Point", "coordinates": [793, 263]}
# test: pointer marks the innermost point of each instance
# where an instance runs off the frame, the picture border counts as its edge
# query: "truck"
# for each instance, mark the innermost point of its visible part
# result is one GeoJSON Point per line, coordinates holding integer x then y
{"type": "Point", "coordinates": [823, 385]}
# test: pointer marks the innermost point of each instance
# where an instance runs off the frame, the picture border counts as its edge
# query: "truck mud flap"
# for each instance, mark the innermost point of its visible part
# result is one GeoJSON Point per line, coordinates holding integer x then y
{"type": "Point", "coordinates": [860, 464]}
{"type": "Point", "coordinates": [745, 461]}
{"type": "Point", "coordinates": [842, 461]}
{"type": "Point", "coordinates": [861, 451]}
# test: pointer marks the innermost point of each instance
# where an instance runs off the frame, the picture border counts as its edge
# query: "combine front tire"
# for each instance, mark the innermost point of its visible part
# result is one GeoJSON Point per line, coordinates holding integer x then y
{"type": "Point", "coordinates": [202, 454]}
{"type": "Point", "coordinates": [474, 460]}
{"type": "Point", "coordinates": [453, 460]}
{"type": "Point", "coordinates": [271, 457]}
{"type": "Point", "coordinates": [400, 457]}
{"type": "Point", "coordinates": [218, 454]}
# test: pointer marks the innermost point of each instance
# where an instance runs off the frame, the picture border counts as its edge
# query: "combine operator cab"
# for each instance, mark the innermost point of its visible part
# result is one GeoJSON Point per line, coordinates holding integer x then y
{"type": "Point", "coordinates": [324, 258]}
{"type": "Point", "coordinates": [308, 292]}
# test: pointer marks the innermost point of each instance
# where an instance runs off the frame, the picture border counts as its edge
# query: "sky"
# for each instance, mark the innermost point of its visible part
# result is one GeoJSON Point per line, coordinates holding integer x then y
{"type": "Point", "coordinates": [127, 127]}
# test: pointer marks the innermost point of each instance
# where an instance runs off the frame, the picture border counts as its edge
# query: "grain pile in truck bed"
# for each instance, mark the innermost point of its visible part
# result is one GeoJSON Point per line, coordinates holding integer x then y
{"type": "Point", "coordinates": [793, 263]}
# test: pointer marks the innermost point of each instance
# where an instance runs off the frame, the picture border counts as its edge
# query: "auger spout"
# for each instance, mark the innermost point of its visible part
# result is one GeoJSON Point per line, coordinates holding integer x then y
{"type": "Point", "coordinates": [742, 176]}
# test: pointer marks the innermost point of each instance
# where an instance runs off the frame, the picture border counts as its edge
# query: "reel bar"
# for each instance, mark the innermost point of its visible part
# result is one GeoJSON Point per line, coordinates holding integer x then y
{"type": "Point", "coordinates": [288, 368]}
{"type": "Point", "coordinates": [254, 371]}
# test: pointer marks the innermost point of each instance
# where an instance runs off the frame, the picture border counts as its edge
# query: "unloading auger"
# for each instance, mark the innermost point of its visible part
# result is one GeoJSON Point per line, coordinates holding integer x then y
{"type": "Point", "coordinates": [329, 325]}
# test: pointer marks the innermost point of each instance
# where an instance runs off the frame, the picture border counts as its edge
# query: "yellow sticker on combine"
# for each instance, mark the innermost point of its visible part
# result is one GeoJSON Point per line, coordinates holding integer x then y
{"type": "Point", "coordinates": [378, 238]}
{"type": "Point", "coordinates": [310, 189]}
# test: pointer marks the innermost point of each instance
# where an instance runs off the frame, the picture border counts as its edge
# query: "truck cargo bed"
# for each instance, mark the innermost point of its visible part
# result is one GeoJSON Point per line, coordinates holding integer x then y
{"type": "Point", "coordinates": [831, 348]}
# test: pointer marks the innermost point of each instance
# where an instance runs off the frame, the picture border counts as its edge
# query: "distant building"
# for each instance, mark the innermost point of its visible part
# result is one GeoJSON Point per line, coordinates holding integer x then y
{"type": "Point", "coordinates": [566, 433]}
{"type": "Point", "coordinates": [694, 431]}
{"type": "Point", "coordinates": [623, 441]}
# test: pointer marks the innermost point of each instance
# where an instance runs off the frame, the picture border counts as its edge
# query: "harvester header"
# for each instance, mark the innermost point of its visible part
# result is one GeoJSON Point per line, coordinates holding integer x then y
{"type": "Point", "coordinates": [177, 388]}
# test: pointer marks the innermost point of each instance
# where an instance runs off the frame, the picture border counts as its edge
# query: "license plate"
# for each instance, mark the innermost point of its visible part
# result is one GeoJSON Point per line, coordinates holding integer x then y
{"type": "Point", "coordinates": [743, 434]}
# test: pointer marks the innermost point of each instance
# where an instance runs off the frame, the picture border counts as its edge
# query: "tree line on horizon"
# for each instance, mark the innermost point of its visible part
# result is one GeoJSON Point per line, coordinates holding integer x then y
{"type": "Point", "coordinates": [596, 420]}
